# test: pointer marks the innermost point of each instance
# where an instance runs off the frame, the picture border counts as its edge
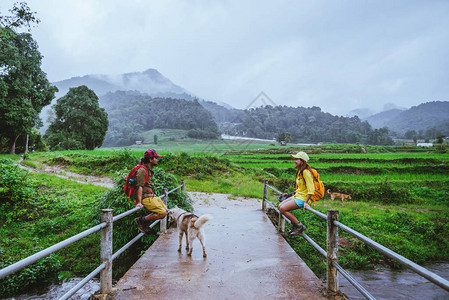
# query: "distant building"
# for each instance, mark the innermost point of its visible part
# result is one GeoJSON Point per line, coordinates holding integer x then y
{"type": "Point", "coordinates": [138, 142]}
{"type": "Point", "coordinates": [424, 145]}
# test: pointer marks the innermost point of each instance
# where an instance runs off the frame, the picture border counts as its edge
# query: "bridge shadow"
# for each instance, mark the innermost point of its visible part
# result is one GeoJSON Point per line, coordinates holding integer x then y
{"type": "Point", "coordinates": [247, 259]}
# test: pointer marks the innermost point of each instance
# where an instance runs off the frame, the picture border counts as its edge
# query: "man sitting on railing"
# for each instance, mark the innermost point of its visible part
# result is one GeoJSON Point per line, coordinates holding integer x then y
{"type": "Point", "coordinates": [145, 194]}
{"type": "Point", "coordinates": [304, 190]}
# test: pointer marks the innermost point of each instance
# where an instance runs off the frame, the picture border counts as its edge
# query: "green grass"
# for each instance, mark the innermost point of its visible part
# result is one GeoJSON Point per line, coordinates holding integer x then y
{"type": "Point", "coordinates": [40, 210]}
{"type": "Point", "coordinates": [400, 194]}
{"type": "Point", "coordinates": [58, 211]}
{"type": "Point", "coordinates": [236, 184]}
{"type": "Point", "coordinates": [400, 199]}
{"type": "Point", "coordinates": [13, 157]}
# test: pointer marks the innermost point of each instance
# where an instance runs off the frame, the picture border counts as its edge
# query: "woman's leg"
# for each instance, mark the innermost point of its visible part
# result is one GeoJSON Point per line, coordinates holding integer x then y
{"type": "Point", "coordinates": [286, 206]}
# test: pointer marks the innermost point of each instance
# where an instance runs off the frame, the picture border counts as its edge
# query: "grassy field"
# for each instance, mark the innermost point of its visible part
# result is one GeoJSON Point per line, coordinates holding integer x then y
{"type": "Point", "coordinates": [400, 196]}
{"type": "Point", "coordinates": [176, 141]}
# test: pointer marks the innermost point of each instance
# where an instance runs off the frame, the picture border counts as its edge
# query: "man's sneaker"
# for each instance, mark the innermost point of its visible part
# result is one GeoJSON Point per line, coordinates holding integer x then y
{"type": "Point", "coordinates": [297, 229]}
{"type": "Point", "coordinates": [140, 222]}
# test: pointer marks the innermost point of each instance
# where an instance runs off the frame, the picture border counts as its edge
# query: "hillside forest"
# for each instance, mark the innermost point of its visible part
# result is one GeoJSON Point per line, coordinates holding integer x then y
{"type": "Point", "coordinates": [132, 113]}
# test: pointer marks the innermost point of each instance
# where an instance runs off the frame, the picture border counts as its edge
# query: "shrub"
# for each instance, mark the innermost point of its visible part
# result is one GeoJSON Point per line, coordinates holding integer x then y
{"type": "Point", "coordinates": [28, 277]}
{"type": "Point", "coordinates": [16, 189]}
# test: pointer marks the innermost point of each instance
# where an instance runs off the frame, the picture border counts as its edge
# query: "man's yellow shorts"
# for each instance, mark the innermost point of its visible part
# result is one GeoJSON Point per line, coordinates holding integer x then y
{"type": "Point", "coordinates": [154, 204]}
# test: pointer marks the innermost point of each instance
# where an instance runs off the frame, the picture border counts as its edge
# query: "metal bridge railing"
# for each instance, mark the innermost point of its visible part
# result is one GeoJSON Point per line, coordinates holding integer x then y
{"type": "Point", "coordinates": [105, 268]}
{"type": "Point", "coordinates": [331, 255]}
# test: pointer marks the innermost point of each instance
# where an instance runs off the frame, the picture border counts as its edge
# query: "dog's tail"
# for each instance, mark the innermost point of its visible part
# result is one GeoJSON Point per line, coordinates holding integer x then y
{"type": "Point", "coordinates": [328, 191]}
{"type": "Point", "coordinates": [202, 220]}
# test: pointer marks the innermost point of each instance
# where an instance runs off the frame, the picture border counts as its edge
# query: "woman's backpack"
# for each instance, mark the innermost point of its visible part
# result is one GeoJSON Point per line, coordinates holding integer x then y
{"type": "Point", "coordinates": [129, 182]}
{"type": "Point", "coordinates": [319, 185]}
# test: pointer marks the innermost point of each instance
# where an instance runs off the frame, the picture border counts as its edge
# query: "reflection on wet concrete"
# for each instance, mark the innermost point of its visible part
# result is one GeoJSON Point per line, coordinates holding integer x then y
{"type": "Point", "coordinates": [247, 259]}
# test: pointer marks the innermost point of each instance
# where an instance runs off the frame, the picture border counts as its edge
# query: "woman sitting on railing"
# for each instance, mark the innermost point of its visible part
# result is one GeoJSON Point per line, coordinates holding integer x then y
{"type": "Point", "coordinates": [304, 190]}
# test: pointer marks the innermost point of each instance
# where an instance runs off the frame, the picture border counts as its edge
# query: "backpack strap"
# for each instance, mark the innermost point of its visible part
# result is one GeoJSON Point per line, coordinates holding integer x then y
{"type": "Point", "coordinates": [302, 176]}
{"type": "Point", "coordinates": [147, 175]}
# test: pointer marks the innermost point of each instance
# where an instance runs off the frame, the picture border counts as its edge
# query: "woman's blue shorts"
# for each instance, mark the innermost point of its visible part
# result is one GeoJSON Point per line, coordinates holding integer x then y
{"type": "Point", "coordinates": [299, 202]}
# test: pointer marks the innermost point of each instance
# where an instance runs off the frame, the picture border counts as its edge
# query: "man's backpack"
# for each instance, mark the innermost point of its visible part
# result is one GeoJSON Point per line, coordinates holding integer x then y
{"type": "Point", "coordinates": [129, 182]}
{"type": "Point", "coordinates": [319, 185]}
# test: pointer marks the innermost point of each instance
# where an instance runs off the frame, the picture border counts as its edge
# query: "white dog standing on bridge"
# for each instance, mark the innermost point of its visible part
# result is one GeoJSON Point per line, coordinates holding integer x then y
{"type": "Point", "coordinates": [191, 225]}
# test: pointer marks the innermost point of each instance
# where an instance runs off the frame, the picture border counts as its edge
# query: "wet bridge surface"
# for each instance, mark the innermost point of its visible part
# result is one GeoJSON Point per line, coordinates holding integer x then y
{"type": "Point", "coordinates": [247, 259]}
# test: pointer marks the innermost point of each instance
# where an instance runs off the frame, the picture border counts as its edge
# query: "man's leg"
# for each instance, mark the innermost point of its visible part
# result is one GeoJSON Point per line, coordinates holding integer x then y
{"type": "Point", "coordinates": [154, 216]}
{"type": "Point", "coordinates": [156, 207]}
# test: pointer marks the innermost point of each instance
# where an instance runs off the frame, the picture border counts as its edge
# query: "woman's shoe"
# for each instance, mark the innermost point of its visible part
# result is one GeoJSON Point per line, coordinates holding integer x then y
{"type": "Point", "coordinates": [297, 229]}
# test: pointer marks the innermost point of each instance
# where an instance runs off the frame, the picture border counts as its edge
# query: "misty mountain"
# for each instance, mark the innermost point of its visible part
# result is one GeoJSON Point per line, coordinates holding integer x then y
{"type": "Point", "coordinates": [362, 113]}
{"type": "Point", "coordinates": [390, 106]}
{"type": "Point", "coordinates": [365, 113]}
{"type": "Point", "coordinates": [380, 119]}
{"type": "Point", "coordinates": [422, 117]}
{"type": "Point", "coordinates": [221, 113]}
{"type": "Point", "coordinates": [132, 113]}
{"type": "Point", "coordinates": [149, 82]}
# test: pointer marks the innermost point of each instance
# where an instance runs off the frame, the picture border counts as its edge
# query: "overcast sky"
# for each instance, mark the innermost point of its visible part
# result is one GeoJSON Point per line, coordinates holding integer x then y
{"type": "Point", "coordinates": [338, 55]}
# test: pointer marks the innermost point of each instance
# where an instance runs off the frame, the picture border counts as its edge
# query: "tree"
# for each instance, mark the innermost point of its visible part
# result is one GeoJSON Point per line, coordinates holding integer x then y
{"type": "Point", "coordinates": [380, 137]}
{"type": "Point", "coordinates": [285, 137]}
{"type": "Point", "coordinates": [21, 16]}
{"type": "Point", "coordinates": [24, 88]}
{"type": "Point", "coordinates": [410, 134]}
{"type": "Point", "coordinates": [79, 122]}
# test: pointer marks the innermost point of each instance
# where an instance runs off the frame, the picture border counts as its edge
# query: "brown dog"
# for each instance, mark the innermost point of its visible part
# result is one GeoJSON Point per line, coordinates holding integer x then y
{"type": "Point", "coordinates": [338, 195]}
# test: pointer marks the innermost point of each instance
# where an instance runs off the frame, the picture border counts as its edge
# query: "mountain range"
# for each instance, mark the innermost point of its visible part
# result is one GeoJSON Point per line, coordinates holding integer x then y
{"type": "Point", "coordinates": [421, 117]}
{"type": "Point", "coordinates": [152, 83]}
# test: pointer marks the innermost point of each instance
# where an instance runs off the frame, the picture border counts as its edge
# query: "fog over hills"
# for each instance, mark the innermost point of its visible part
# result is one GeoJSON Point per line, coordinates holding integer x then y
{"type": "Point", "coordinates": [150, 82]}
{"type": "Point", "coordinates": [421, 117]}
{"type": "Point", "coordinates": [380, 120]}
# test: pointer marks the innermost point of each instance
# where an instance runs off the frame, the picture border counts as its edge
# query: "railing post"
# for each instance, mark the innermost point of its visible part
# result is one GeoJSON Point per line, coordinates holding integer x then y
{"type": "Point", "coordinates": [281, 223]}
{"type": "Point", "coordinates": [183, 187]}
{"type": "Point", "coordinates": [163, 225]}
{"type": "Point", "coordinates": [332, 250]}
{"type": "Point", "coordinates": [265, 194]}
{"type": "Point", "coordinates": [106, 252]}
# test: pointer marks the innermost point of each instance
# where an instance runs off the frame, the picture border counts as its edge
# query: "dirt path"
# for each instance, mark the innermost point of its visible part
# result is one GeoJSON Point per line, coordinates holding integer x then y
{"type": "Point", "coordinates": [59, 171]}
{"type": "Point", "coordinates": [203, 200]}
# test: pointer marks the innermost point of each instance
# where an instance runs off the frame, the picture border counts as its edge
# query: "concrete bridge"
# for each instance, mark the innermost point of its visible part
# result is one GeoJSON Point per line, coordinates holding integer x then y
{"type": "Point", "coordinates": [247, 259]}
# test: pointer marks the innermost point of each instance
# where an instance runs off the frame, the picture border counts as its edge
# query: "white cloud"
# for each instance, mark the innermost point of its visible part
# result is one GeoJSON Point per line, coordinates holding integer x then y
{"type": "Point", "coordinates": [337, 55]}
